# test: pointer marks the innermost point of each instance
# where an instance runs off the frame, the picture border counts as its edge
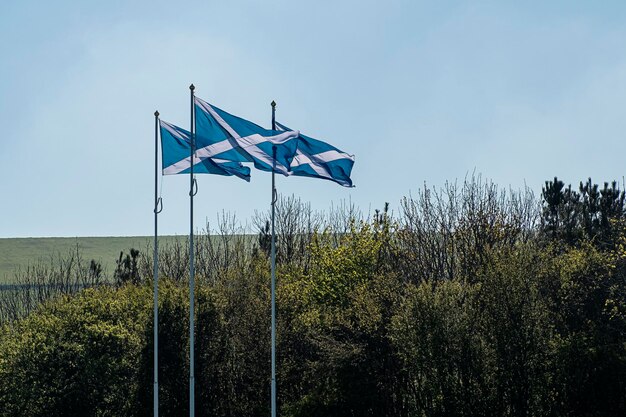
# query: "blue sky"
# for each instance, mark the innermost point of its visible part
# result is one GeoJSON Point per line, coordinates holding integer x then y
{"type": "Point", "coordinates": [418, 91]}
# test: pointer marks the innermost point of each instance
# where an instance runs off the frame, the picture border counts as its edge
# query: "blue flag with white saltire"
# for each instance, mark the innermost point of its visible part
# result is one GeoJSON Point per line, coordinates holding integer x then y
{"type": "Point", "coordinates": [176, 148]}
{"type": "Point", "coordinates": [318, 159]}
{"type": "Point", "coordinates": [229, 137]}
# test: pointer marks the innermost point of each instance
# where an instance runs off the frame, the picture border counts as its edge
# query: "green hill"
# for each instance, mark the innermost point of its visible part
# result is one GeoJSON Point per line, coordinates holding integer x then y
{"type": "Point", "coordinates": [20, 252]}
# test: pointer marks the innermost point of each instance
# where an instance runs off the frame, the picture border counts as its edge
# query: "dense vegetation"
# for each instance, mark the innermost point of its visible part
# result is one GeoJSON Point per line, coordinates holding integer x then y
{"type": "Point", "coordinates": [471, 301]}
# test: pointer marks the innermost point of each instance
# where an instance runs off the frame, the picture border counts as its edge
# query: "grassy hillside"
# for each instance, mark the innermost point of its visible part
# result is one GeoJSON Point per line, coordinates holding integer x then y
{"type": "Point", "coordinates": [20, 252]}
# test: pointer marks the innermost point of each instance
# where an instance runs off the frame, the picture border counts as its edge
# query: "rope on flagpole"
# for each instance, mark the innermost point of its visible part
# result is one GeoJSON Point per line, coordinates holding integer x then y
{"type": "Point", "coordinates": [159, 205]}
{"type": "Point", "coordinates": [194, 186]}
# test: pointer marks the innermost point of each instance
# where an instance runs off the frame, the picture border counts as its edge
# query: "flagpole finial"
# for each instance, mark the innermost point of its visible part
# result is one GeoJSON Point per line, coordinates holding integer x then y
{"type": "Point", "coordinates": [273, 103]}
{"type": "Point", "coordinates": [192, 87]}
{"type": "Point", "coordinates": [156, 113]}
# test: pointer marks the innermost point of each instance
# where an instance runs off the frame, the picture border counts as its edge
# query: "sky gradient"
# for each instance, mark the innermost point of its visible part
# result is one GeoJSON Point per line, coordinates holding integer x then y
{"type": "Point", "coordinates": [420, 92]}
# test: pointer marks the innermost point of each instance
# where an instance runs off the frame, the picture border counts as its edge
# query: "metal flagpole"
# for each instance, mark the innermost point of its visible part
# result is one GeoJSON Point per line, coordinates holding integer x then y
{"type": "Point", "coordinates": [273, 401]}
{"type": "Point", "coordinates": [155, 274]}
{"type": "Point", "coordinates": [191, 269]}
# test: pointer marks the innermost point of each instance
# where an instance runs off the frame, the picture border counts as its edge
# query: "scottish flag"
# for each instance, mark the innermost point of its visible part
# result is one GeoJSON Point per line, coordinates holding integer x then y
{"type": "Point", "coordinates": [229, 137]}
{"type": "Point", "coordinates": [318, 159]}
{"type": "Point", "coordinates": [176, 149]}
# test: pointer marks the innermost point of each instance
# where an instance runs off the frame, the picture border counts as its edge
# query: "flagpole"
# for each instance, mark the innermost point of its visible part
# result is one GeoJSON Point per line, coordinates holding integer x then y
{"type": "Point", "coordinates": [191, 270]}
{"type": "Point", "coordinates": [155, 274]}
{"type": "Point", "coordinates": [273, 267]}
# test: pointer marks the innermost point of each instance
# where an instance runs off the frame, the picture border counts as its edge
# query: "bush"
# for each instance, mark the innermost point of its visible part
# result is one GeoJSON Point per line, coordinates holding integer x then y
{"type": "Point", "coordinates": [460, 306]}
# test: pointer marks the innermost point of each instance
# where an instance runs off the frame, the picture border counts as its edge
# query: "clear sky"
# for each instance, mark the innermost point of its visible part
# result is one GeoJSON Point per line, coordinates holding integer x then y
{"type": "Point", "coordinates": [419, 91]}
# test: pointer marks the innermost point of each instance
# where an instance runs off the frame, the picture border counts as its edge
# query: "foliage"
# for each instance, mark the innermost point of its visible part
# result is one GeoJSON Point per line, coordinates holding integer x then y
{"type": "Point", "coordinates": [75, 356]}
{"type": "Point", "coordinates": [472, 302]}
{"type": "Point", "coordinates": [127, 269]}
{"type": "Point", "coordinates": [572, 217]}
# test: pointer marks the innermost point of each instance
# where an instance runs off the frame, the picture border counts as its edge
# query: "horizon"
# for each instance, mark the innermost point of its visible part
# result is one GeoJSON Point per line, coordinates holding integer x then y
{"type": "Point", "coordinates": [249, 228]}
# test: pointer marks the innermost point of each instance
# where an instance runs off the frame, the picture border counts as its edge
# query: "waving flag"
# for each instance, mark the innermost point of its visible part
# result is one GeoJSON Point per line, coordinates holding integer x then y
{"type": "Point", "coordinates": [229, 137]}
{"type": "Point", "coordinates": [318, 159]}
{"type": "Point", "coordinates": [176, 149]}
